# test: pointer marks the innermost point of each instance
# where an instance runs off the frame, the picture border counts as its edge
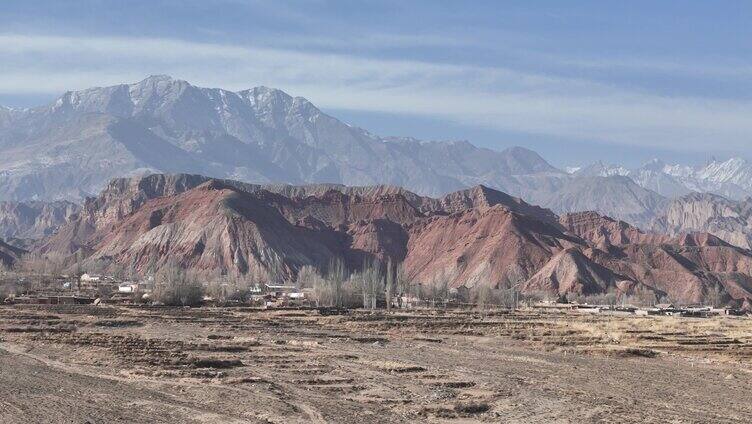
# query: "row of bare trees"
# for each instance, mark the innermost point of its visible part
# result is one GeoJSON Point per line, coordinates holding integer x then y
{"type": "Point", "coordinates": [377, 284]}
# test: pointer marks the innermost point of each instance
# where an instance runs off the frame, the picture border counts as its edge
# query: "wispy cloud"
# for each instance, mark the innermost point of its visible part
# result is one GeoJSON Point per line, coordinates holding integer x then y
{"type": "Point", "coordinates": [493, 97]}
{"type": "Point", "coordinates": [369, 41]}
{"type": "Point", "coordinates": [653, 65]}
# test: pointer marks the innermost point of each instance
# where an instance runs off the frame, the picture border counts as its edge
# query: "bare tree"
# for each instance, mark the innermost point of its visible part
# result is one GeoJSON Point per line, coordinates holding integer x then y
{"type": "Point", "coordinates": [32, 263]}
{"type": "Point", "coordinates": [337, 276]}
{"type": "Point", "coordinates": [118, 271]}
{"type": "Point", "coordinates": [323, 289]}
{"type": "Point", "coordinates": [276, 270]}
{"type": "Point", "coordinates": [372, 283]}
{"type": "Point", "coordinates": [256, 275]}
{"type": "Point", "coordinates": [175, 287]}
{"type": "Point", "coordinates": [389, 285]}
{"type": "Point", "coordinates": [714, 296]}
{"type": "Point", "coordinates": [514, 276]}
{"type": "Point", "coordinates": [612, 296]}
{"type": "Point", "coordinates": [323, 292]}
{"type": "Point", "coordinates": [402, 282]}
{"type": "Point", "coordinates": [7, 287]}
{"type": "Point", "coordinates": [481, 294]}
{"type": "Point", "coordinates": [438, 288]}
{"type": "Point", "coordinates": [77, 267]}
{"type": "Point", "coordinates": [640, 296]}
{"type": "Point", "coordinates": [329, 289]}
{"type": "Point", "coordinates": [151, 266]}
{"type": "Point", "coordinates": [224, 288]}
{"type": "Point", "coordinates": [306, 278]}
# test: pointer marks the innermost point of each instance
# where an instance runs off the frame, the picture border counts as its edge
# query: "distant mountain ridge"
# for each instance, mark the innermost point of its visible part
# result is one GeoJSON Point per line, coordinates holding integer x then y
{"type": "Point", "coordinates": [72, 147]}
{"type": "Point", "coordinates": [731, 178]}
{"type": "Point", "coordinates": [713, 198]}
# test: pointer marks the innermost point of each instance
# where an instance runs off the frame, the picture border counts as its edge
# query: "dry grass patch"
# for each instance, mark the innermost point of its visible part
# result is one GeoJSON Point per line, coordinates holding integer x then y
{"type": "Point", "coordinates": [394, 367]}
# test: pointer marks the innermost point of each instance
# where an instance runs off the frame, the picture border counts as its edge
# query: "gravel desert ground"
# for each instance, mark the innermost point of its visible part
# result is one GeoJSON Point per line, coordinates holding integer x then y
{"type": "Point", "coordinates": [74, 364]}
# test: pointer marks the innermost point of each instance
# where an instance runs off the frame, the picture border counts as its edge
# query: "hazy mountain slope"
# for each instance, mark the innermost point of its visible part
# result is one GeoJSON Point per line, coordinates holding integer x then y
{"type": "Point", "coordinates": [85, 138]}
{"type": "Point", "coordinates": [74, 146]}
{"type": "Point", "coordinates": [69, 158]}
{"type": "Point", "coordinates": [729, 178]}
{"type": "Point", "coordinates": [9, 254]}
{"type": "Point", "coordinates": [600, 169]}
{"type": "Point", "coordinates": [734, 171]}
{"type": "Point", "coordinates": [29, 220]}
{"type": "Point", "coordinates": [616, 196]}
{"type": "Point", "coordinates": [653, 176]}
{"type": "Point", "coordinates": [728, 219]}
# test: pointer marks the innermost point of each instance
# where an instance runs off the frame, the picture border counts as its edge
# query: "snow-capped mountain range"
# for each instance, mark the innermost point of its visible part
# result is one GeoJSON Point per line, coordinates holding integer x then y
{"type": "Point", "coordinates": [72, 147]}
{"type": "Point", "coordinates": [730, 178]}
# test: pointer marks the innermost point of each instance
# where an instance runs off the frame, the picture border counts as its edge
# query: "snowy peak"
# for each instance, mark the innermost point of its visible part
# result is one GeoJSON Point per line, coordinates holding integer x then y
{"type": "Point", "coordinates": [679, 171]}
{"type": "Point", "coordinates": [599, 169]}
{"type": "Point", "coordinates": [159, 78]}
{"type": "Point", "coordinates": [264, 96]}
{"type": "Point", "coordinates": [157, 93]}
{"type": "Point", "coordinates": [734, 170]}
{"type": "Point", "coordinates": [656, 165]}
{"type": "Point", "coordinates": [273, 105]}
{"type": "Point", "coordinates": [173, 106]}
{"type": "Point", "coordinates": [160, 88]}
{"type": "Point", "coordinates": [731, 178]}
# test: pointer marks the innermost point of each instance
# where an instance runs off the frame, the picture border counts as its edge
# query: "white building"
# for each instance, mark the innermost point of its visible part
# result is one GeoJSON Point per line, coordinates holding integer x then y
{"type": "Point", "coordinates": [127, 288]}
{"type": "Point", "coordinates": [91, 278]}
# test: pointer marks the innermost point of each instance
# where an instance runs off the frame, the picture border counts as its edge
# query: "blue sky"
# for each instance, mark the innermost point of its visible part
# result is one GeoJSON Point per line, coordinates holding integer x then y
{"type": "Point", "coordinates": [577, 81]}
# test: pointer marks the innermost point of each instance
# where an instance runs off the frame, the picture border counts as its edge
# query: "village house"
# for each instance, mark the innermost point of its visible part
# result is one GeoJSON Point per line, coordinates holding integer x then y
{"type": "Point", "coordinates": [90, 278]}
{"type": "Point", "coordinates": [128, 287]}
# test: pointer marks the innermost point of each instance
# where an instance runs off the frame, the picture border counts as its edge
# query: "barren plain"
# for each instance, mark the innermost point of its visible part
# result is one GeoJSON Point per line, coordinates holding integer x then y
{"type": "Point", "coordinates": [76, 364]}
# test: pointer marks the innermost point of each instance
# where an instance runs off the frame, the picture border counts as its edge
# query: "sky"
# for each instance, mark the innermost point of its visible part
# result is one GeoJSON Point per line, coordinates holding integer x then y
{"type": "Point", "coordinates": [577, 81]}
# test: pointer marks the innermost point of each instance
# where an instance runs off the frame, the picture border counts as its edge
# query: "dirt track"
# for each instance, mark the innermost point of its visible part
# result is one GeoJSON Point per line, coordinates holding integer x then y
{"type": "Point", "coordinates": [87, 364]}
